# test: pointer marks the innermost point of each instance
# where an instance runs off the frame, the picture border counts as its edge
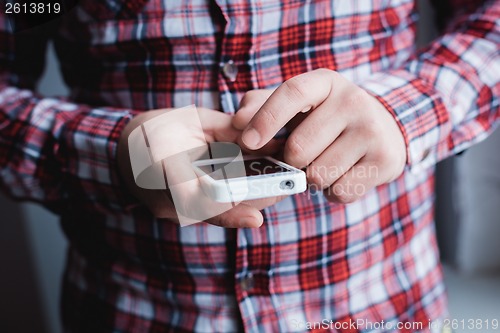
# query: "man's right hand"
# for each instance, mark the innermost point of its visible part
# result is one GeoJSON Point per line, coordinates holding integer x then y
{"type": "Point", "coordinates": [216, 128]}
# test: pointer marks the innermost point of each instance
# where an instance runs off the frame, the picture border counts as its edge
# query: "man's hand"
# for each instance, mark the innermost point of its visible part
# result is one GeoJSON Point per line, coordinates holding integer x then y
{"type": "Point", "coordinates": [346, 138]}
{"type": "Point", "coordinates": [180, 137]}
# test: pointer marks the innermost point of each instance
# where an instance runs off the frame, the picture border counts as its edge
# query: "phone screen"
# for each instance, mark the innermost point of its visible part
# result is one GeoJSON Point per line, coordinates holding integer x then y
{"type": "Point", "coordinates": [253, 167]}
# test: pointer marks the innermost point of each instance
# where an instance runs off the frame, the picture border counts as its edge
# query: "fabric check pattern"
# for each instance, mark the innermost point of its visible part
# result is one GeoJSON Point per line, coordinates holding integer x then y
{"type": "Point", "coordinates": [375, 259]}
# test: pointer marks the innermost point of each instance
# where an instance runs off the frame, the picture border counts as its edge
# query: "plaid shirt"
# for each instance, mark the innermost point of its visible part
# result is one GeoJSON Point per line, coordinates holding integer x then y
{"type": "Point", "coordinates": [312, 260]}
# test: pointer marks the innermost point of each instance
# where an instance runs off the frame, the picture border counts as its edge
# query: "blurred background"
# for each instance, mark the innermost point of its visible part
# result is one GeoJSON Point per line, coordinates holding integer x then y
{"type": "Point", "coordinates": [32, 246]}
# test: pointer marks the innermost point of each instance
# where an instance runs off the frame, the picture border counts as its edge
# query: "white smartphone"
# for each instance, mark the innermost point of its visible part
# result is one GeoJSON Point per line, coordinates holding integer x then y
{"type": "Point", "coordinates": [263, 177]}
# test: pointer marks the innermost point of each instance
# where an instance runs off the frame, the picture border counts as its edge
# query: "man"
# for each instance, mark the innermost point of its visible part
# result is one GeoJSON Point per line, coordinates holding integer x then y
{"type": "Point", "coordinates": [367, 114]}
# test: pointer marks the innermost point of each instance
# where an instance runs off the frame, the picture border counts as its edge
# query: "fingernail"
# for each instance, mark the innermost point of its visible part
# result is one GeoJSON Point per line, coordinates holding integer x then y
{"type": "Point", "coordinates": [251, 138]}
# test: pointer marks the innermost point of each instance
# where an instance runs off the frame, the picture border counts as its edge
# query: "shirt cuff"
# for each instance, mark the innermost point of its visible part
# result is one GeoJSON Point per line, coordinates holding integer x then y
{"type": "Point", "coordinates": [419, 112]}
{"type": "Point", "coordinates": [90, 163]}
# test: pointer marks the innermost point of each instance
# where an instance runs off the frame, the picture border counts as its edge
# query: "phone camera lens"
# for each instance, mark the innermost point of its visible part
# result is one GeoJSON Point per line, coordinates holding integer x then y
{"type": "Point", "coordinates": [287, 185]}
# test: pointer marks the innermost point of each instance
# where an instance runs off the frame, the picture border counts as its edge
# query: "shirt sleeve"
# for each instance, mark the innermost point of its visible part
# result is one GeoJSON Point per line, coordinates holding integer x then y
{"type": "Point", "coordinates": [53, 151]}
{"type": "Point", "coordinates": [446, 97]}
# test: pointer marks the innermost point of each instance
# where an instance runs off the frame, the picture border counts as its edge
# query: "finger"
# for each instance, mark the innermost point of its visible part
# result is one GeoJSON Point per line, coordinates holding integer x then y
{"type": "Point", "coordinates": [246, 214]}
{"type": "Point", "coordinates": [336, 160]}
{"type": "Point", "coordinates": [256, 97]}
{"type": "Point", "coordinates": [354, 184]}
{"type": "Point", "coordinates": [264, 203]}
{"type": "Point", "coordinates": [193, 205]}
{"type": "Point", "coordinates": [241, 216]}
{"type": "Point", "coordinates": [217, 126]}
{"type": "Point", "coordinates": [249, 105]}
{"type": "Point", "coordinates": [314, 135]}
{"type": "Point", "coordinates": [299, 94]}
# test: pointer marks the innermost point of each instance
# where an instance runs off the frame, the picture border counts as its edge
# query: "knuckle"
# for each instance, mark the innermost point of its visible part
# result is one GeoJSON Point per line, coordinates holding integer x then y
{"type": "Point", "coordinates": [345, 198]}
{"type": "Point", "coordinates": [317, 177]}
{"type": "Point", "coordinates": [295, 87]}
{"type": "Point", "coordinates": [368, 122]}
{"type": "Point", "coordinates": [350, 199]}
{"type": "Point", "coordinates": [343, 193]}
{"type": "Point", "coordinates": [252, 94]}
{"type": "Point", "coordinates": [295, 150]}
{"type": "Point", "coordinates": [221, 221]}
{"type": "Point", "coordinates": [372, 128]}
{"type": "Point", "coordinates": [381, 156]}
{"type": "Point", "coordinates": [325, 71]}
{"type": "Point", "coordinates": [268, 117]}
{"type": "Point", "coordinates": [356, 98]}
{"type": "Point", "coordinates": [251, 97]}
{"type": "Point", "coordinates": [245, 99]}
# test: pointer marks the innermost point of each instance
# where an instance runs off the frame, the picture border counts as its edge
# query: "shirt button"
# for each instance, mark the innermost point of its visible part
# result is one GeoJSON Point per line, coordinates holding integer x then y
{"type": "Point", "coordinates": [247, 282]}
{"type": "Point", "coordinates": [230, 70]}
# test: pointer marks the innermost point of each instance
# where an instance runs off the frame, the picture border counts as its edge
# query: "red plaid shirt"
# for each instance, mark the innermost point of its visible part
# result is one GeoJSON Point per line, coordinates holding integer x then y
{"type": "Point", "coordinates": [312, 260]}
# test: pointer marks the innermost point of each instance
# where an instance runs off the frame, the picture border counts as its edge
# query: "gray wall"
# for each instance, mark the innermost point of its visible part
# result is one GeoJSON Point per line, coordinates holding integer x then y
{"type": "Point", "coordinates": [476, 203]}
{"type": "Point", "coordinates": [32, 252]}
